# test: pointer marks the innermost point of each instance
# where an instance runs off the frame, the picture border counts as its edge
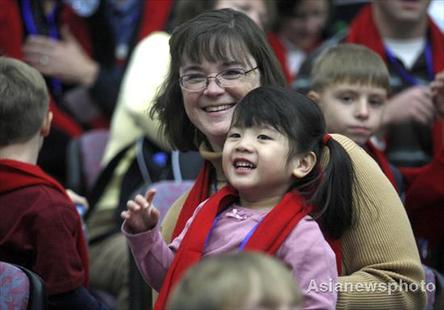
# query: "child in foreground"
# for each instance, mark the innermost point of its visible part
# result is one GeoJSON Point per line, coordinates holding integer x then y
{"type": "Point", "coordinates": [271, 160]}
{"type": "Point", "coordinates": [243, 280]}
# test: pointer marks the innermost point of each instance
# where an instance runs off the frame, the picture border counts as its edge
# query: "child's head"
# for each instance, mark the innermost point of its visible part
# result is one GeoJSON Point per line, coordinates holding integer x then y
{"type": "Point", "coordinates": [302, 22]}
{"type": "Point", "coordinates": [275, 136]}
{"type": "Point", "coordinates": [351, 84]}
{"type": "Point", "coordinates": [276, 139]}
{"type": "Point", "coordinates": [245, 280]}
{"type": "Point", "coordinates": [262, 12]}
{"type": "Point", "coordinates": [24, 102]}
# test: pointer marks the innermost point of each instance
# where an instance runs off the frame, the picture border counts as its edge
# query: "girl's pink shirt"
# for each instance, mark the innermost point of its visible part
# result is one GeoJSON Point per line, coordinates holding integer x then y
{"type": "Point", "coordinates": [305, 251]}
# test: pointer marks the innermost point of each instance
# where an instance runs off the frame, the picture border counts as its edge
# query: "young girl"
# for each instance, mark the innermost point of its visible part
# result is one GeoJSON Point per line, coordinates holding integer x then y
{"type": "Point", "coordinates": [271, 160]}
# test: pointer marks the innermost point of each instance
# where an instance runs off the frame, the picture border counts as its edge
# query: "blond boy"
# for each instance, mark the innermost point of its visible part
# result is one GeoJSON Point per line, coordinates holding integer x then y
{"type": "Point", "coordinates": [39, 227]}
{"type": "Point", "coordinates": [351, 85]}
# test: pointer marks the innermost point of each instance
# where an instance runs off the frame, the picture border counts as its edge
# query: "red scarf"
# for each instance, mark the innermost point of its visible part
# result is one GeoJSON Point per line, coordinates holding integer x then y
{"type": "Point", "coordinates": [200, 192]}
{"type": "Point", "coordinates": [363, 30]}
{"type": "Point", "coordinates": [268, 237]}
{"type": "Point", "coordinates": [281, 54]}
{"type": "Point", "coordinates": [15, 175]}
{"type": "Point", "coordinates": [382, 161]}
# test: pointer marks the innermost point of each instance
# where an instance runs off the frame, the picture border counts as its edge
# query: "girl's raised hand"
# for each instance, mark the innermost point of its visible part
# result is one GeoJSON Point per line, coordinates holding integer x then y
{"type": "Point", "coordinates": [141, 214]}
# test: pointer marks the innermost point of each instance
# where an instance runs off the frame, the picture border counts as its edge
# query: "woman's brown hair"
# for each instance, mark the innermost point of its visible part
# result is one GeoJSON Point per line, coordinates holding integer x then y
{"type": "Point", "coordinates": [216, 35]}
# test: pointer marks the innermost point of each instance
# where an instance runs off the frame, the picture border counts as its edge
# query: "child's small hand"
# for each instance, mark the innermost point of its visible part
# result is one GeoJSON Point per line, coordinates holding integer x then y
{"type": "Point", "coordinates": [141, 214]}
{"type": "Point", "coordinates": [77, 199]}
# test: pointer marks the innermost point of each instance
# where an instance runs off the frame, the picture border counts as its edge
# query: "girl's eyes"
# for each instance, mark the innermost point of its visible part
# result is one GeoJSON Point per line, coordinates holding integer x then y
{"type": "Point", "coordinates": [236, 135]}
{"type": "Point", "coordinates": [264, 137]}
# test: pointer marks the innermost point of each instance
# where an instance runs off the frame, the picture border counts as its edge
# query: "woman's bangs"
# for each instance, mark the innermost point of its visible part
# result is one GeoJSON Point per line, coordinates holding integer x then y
{"type": "Point", "coordinates": [223, 47]}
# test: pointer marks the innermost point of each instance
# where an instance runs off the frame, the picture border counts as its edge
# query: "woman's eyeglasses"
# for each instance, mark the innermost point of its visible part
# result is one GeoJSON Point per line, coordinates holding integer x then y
{"type": "Point", "coordinates": [196, 82]}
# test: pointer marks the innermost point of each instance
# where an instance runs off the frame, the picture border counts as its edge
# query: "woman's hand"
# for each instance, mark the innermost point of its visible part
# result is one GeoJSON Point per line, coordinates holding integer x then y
{"type": "Point", "coordinates": [141, 214]}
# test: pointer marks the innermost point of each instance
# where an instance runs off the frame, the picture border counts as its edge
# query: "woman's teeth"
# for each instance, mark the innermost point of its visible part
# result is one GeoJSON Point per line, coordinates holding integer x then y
{"type": "Point", "coordinates": [218, 108]}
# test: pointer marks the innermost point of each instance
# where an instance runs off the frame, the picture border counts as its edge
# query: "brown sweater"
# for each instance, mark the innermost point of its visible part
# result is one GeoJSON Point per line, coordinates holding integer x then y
{"type": "Point", "coordinates": [378, 249]}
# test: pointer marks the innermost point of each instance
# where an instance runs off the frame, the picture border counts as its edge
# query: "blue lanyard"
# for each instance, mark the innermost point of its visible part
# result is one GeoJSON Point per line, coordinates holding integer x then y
{"type": "Point", "coordinates": [244, 241]}
{"type": "Point", "coordinates": [31, 28]}
{"type": "Point", "coordinates": [405, 75]}
{"type": "Point", "coordinates": [248, 237]}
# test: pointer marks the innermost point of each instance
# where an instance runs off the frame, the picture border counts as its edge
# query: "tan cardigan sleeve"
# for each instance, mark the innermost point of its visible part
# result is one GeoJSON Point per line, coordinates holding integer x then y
{"type": "Point", "coordinates": [380, 248]}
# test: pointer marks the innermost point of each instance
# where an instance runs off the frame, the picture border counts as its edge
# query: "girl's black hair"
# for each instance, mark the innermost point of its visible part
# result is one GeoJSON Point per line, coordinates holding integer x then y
{"type": "Point", "coordinates": [328, 187]}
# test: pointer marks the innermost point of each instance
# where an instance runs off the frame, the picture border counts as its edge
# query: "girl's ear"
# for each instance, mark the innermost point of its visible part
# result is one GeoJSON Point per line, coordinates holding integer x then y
{"type": "Point", "coordinates": [314, 96]}
{"type": "Point", "coordinates": [303, 165]}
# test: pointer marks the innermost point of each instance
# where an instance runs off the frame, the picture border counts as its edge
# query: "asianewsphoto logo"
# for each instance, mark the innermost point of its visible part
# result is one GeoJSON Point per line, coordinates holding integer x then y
{"type": "Point", "coordinates": [384, 287]}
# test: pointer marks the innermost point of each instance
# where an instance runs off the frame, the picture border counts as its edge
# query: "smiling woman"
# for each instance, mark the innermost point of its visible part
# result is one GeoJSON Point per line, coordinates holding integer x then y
{"type": "Point", "coordinates": [205, 50]}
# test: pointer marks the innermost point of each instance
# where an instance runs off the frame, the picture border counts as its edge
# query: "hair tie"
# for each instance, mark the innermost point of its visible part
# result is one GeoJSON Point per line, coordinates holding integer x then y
{"type": "Point", "coordinates": [325, 138]}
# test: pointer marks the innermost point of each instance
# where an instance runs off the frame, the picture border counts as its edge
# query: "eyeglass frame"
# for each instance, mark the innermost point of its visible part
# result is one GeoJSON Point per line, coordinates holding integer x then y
{"type": "Point", "coordinates": [215, 77]}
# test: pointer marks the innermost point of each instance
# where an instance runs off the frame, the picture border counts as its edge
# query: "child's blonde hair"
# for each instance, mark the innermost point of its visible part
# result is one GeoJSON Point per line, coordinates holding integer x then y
{"type": "Point", "coordinates": [24, 101]}
{"type": "Point", "coordinates": [349, 63]}
{"type": "Point", "coordinates": [246, 280]}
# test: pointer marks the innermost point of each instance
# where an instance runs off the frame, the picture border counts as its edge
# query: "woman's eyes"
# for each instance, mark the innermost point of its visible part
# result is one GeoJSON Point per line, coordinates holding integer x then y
{"type": "Point", "coordinates": [232, 73]}
{"type": "Point", "coordinates": [194, 77]}
{"type": "Point", "coordinates": [229, 71]}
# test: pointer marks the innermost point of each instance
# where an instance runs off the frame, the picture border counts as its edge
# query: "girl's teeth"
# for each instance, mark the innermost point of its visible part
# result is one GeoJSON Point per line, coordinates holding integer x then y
{"type": "Point", "coordinates": [244, 165]}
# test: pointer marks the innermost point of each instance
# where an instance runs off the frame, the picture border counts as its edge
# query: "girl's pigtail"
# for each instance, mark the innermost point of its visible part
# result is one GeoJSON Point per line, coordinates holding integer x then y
{"type": "Point", "coordinates": [334, 193]}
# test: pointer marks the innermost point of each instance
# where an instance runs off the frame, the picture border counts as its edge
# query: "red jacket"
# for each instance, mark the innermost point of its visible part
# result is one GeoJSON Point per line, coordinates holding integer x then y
{"type": "Point", "coordinates": [40, 227]}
